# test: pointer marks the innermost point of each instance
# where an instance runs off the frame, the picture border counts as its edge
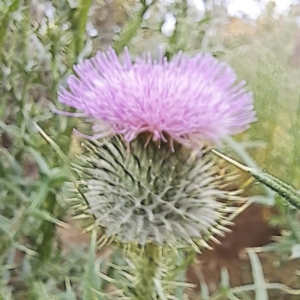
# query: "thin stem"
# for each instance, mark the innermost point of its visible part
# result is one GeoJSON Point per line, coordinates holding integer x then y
{"type": "Point", "coordinates": [245, 157]}
{"type": "Point", "coordinates": [231, 161]}
{"type": "Point", "coordinates": [48, 228]}
{"type": "Point", "coordinates": [285, 190]}
{"type": "Point", "coordinates": [156, 272]}
{"type": "Point", "coordinates": [131, 28]}
{"type": "Point", "coordinates": [53, 144]}
{"type": "Point", "coordinates": [78, 18]}
{"type": "Point", "coordinates": [147, 271]}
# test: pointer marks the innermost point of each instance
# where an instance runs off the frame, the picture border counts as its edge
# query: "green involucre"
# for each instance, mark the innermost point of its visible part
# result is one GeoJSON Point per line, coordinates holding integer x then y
{"type": "Point", "coordinates": [144, 194]}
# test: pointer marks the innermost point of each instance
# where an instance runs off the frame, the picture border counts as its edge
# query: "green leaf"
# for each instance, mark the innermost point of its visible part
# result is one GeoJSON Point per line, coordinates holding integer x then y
{"type": "Point", "coordinates": [46, 216]}
{"type": "Point", "coordinates": [5, 224]}
{"type": "Point", "coordinates": [285, 190]}
{"type": "Point", "coordinates": [240, 150]}
{"type": "Point", "coordinates": [225, 280]}
{"type": "Point", "coordinates": [78, 18]}
{"type": "Point", "coordinates": [39, 196]}
{"type": "Point", "coordinates": [130, 29]}
{"type": "Point", "coordinates": [91, 281]}
{"type": "Point", "coordinates": [59, 176]}
{"type": "Point", "coordinates": [261, 292]}
{"type": "Point", "coordinates": [13, 131]}
{"type": "Point", "coordinates": [204, 292]}
{"type": "Point", "coordinates": [39, 291]}
{"type": "Point", "coordinates": [43, 166]}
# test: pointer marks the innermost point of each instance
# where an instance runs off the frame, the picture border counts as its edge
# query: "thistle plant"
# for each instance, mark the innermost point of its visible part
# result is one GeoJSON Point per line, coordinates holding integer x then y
{"type": "Point", "coordinates": [145, 175]}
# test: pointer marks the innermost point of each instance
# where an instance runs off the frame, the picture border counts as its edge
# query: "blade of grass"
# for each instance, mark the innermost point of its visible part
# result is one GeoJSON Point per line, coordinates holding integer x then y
{"type": "Point", "coordinates": [91, 280]}
{"type": "Point", "coordinates": [261, 292]}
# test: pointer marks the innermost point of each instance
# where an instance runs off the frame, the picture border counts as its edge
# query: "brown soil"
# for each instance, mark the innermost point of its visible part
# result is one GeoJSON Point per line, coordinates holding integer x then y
{"type": "Point", "coordinates": [251, 229]}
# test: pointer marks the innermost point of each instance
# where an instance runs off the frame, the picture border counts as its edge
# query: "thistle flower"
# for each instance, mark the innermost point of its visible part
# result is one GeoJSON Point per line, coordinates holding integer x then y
{"type": "Point", "coordinates": [187, 100]}
{"type": "Point", "coordinates": [154, 194]}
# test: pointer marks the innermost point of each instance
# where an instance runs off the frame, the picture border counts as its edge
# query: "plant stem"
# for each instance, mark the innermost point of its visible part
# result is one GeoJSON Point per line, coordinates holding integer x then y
{"type": "Point", "coordinates": [156, 272]}
{"type": "Point", "coordinates": [147, 271]}
{"type": "Point", "coordinates": [48, 229]}
{"type": "Point", "coordinates": [131, 28]}
{"type": "Point", "coordinates": [285, 190]}
{"type": "Point", "coordinates": [78, 19]}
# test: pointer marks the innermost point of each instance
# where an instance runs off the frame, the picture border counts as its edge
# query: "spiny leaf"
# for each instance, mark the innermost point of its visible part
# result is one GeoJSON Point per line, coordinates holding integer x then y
{"type": "Point", "coordinates": [285, 190]}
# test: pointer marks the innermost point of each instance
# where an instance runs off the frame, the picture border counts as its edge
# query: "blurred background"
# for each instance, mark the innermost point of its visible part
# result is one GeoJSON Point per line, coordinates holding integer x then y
{"type": "Point", "coordinates": [43, 251]}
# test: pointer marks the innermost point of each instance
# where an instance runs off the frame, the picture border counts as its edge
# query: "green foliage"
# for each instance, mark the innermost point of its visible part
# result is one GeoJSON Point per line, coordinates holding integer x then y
{"type": "Point", "coordinates": [267, 63]}
{"type": "Point", "coordinates": [38, 50]}
{"type": "Point", "coordinates": [33, 61]}
{"type": "Point", "coordinates": [91, 281]}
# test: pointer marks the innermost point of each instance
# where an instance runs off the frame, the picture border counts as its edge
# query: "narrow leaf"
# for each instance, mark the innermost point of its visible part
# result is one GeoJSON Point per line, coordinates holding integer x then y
{"type": "Point", "coordinates": [258, 277]}
{"type": "Point", "coordinates": [91, 280]}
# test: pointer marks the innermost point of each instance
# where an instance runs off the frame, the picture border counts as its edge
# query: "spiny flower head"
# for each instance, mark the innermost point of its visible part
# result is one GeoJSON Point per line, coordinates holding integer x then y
{"type": "Point", "coordinates": [153, 195]}
{"type": "Point", "coordinates": [187, 99]}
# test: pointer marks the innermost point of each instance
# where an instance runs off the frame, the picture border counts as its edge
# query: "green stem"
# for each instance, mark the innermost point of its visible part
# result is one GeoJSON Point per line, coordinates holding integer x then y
{"type": "Point", "coordinates": [288, 192]}
{"type": "Point", "coordinates": [285, 190]}
{"type": "Point", "coordinates": [78, 18]}
{"type": "Point", "coordinates": [146, 270]}
{"type": "Point", "coordinates": [131, 28]}
{"type": "Point", "coordinates": [157, 273]}
{"type": "Point", "coordinates": [48, 229]}
{"type": "Point", "coordinates": [245, 157]}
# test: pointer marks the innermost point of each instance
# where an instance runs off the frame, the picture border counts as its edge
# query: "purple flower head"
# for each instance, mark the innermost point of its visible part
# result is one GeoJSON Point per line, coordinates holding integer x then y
{"type": "Point", "coordinates": [187, 99]}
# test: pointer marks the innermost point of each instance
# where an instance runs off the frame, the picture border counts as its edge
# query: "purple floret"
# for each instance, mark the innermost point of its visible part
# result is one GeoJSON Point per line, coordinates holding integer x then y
{"type": "Point", "coordinates": [189, 100]}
